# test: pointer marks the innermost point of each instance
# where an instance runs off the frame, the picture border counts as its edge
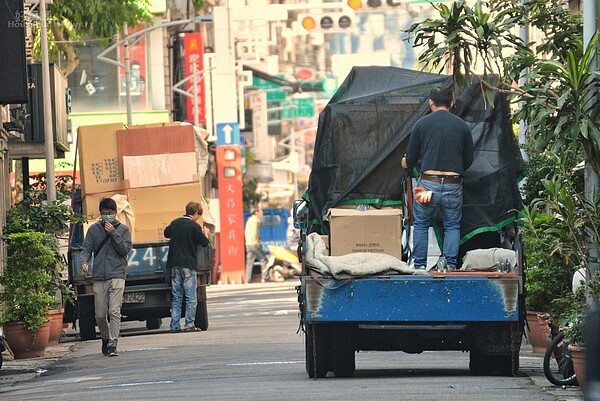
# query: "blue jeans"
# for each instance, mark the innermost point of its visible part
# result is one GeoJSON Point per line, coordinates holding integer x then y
{"type": "Point", "coordinates": [183, 281]}
{"type": "Point", "coordinates": [448, 199]}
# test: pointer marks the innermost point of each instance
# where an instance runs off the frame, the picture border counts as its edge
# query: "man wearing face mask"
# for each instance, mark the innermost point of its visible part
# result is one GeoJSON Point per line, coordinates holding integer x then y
{"type": "Point", "coordinates": [109, 241]}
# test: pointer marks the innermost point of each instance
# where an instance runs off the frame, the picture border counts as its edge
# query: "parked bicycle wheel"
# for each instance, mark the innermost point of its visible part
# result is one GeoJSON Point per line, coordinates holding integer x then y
{"type": "Point", "coordinates": [558, 365]}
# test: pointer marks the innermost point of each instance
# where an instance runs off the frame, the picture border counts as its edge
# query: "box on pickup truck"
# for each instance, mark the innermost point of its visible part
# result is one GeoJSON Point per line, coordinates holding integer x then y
{"type": "Point", "coordinates": [362, 135]}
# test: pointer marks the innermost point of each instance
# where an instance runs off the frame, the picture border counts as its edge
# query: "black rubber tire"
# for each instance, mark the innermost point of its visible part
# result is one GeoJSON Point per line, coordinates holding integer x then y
{"type": "Point", "coordinates": [87, 326]}
{"type": "Point", "coordinates": [344, 358]}
{"type": "Point", "coordinates": [318, 351]}
{"type": "Point", "coordinates": [153, 323]}
{"type": "Point", "coordinates": [478, 363]}
{"type": "Point", "coordinates": [0, 360]}
{"type": "Point", "coordinates": [558, 365]}
{"type": "Point", "coordinates": [201, 320]}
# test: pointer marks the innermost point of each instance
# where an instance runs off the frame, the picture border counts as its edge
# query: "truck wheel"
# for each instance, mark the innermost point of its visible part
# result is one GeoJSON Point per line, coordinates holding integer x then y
{"type": "Point", "coordinates": [318, 351]}
{"type": "Point", "coordinates": [153, 323]}
{"type": "Point", "coordinates": [344, 362]}
{"type": "Point", "coordinates": [201, 315]}
{"type": "Point", "coordinates": [505, 365]}
{"type": "Point", "coordinates": [479, 365]}
{"type": "Point", "coordinates": [87, 326]}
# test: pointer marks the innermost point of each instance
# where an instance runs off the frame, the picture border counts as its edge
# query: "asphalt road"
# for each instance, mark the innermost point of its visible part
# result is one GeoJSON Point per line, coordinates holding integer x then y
{"type": "Point", "coordinates": [253, 351]}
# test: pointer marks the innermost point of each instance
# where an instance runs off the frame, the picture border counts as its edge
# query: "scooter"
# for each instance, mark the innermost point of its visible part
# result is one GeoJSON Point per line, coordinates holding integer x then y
{"type": "Point", "coordinates": [282, 264]}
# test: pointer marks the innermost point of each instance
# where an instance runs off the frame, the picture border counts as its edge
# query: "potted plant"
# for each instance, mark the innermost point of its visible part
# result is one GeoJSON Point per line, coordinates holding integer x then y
{"type": "Point", "coordinates": [575, 321]}
{"type": "Point", "coordinates": [34, 214]}
{"type": "Point", "coordinates": [26, 297]}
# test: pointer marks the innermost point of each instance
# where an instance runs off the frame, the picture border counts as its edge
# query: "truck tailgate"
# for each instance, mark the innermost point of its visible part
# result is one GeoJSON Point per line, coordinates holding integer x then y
{"type": "Point", "coordinates": [458, 297]}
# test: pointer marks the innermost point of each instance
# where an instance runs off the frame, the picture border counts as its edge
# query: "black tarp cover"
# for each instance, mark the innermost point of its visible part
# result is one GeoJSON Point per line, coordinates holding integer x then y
{"type": "Point", "coordinates": [363, 133]}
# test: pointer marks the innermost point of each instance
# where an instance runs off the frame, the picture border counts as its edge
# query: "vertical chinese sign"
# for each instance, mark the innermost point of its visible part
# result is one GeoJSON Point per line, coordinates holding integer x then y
{"type": "Point", "coordinates": [229, 174]}
{"type": "Point", "coordinates": [194, 63]}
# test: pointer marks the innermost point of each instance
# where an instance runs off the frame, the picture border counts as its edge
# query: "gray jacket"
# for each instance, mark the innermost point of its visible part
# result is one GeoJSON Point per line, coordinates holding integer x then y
{"type": "Point", "coordinates": [111, 261]}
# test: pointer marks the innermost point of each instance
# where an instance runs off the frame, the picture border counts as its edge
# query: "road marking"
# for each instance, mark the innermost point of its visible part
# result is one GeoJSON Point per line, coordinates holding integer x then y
{"type": "Point", "coordinates": [264, 363]}
{"type": "Point", "coordinates": [132, 384]}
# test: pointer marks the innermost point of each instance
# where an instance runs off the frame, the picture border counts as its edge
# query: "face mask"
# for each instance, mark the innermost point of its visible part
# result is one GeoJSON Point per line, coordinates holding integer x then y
{"type": "Point", "coordinates": [108, 218]}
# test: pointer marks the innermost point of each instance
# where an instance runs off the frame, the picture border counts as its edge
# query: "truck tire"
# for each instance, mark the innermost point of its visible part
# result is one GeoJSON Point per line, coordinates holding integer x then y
{"type": "Point", "coordinates": [201, 320]}
{"type": "Point", "coordinates": [318, 351]}
{"type": "Point", "coordinates": [153, 323]}
{"type": "Point", "coordinates": [87, 318]}
{"type": "Point", "coordinates": [484, 365]}
{"type": "Point", "coordinates": [478, 363]}
{"type": "Point", "coordinates": [343, 354]}
{"type": "Point", "coordinates": [87, 326]}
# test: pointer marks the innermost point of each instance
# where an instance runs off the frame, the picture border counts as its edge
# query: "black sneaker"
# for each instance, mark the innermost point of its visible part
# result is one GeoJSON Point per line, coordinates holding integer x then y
{"type": "Point", "coordinates": [105, 347]}
{"type": "Point", "coordinates": [112, 351]}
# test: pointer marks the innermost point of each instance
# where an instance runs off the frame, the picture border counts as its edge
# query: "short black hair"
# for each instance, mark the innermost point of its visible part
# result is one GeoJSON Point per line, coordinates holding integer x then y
{"type": "Point", "coordinates": [442, 96]}
{"type": "Point", "coordinates": [108, 203]}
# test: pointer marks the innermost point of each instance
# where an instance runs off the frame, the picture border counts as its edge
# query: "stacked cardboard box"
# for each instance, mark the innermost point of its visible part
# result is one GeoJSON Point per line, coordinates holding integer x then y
{"type": "Point", "coordinates": [373, 230]}
{"type": "Point", "coordinates": [154, 166]}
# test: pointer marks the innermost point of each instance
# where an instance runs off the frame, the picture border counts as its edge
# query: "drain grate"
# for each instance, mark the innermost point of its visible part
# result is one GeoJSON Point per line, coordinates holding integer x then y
{"type": "Point", "coordinates": [488, 386]}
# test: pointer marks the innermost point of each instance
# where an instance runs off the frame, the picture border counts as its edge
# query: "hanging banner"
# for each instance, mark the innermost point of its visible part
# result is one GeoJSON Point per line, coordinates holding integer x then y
{"type": "Point", "coordinates": [194, 61]}
{"type": "Point", "coordinates": [137, 65]}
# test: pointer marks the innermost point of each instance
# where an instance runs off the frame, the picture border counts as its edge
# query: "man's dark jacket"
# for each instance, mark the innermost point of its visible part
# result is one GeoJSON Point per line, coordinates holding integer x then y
{"type": "Point", "coordinates": [185, 235]}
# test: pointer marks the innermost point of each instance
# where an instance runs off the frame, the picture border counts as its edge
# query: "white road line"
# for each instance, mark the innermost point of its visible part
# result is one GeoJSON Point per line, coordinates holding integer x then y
{"type": "Point", "coordinates": [132, 384]}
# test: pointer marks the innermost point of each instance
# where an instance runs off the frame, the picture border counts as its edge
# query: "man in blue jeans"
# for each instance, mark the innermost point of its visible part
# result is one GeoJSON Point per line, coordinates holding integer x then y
{"type": "Point", "coordinates": [441, 146]}
{"type": "Point", "coordinates": [185, 235]}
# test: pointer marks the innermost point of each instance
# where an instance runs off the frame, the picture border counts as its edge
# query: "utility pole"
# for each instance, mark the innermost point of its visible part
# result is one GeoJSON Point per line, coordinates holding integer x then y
{"type": "Point", "coordinates": [48, 134]}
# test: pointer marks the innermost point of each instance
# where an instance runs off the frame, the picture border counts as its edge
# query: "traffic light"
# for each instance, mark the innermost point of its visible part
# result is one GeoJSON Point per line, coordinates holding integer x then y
{"type": "Point", "coordinates": [327, 23]}
{"type": "Point", "coordinates": [374, 5]}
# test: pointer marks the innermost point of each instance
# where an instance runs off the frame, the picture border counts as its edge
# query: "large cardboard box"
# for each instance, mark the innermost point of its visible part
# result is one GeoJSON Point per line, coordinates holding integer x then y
{"type": "Point", "coordinates": [374, 230]}
{"type": "Point", "coordinates": [159, 170]}
{"type": "Point", "coordinates": [99, 164]}
{"type": "Point", "coordinates": [154, 208]}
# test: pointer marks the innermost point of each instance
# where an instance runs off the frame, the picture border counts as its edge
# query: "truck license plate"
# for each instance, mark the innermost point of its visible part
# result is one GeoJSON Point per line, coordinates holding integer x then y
{"type": "Point", "coordinates": [134, 297]}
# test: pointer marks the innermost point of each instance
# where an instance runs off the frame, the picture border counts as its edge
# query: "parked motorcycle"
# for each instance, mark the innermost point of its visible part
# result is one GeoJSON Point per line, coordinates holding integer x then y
{"type": "Point", "coordinates": [282, 264]}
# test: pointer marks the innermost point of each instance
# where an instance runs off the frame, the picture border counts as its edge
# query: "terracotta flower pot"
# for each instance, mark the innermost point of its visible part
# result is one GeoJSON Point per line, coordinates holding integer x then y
{"type": "Point", "coordinates": [56, 326]}
{"type": "Point", "coordinates": [539, 332]}
{"type": "Point", "coordinates": [578, 357]}
{"type": "Point", "coordinates": [26, 343]}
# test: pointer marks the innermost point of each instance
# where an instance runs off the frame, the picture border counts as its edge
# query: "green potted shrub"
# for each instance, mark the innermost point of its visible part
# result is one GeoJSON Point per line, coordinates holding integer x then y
{"type": "Point", "coordinates": [34, 214]}
{"type": "Point", "coordinates": [27, 296]}
{"type": "Point", "coordinates": [575, 320]}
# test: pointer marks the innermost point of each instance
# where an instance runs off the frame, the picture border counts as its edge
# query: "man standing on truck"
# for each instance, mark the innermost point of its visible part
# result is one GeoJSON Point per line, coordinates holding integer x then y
{"type": "Point", "coordinates": [185, 236]}
{"type": "Point", "coordinates": [253, 245]}
{"type": "Point", "coordinates": [109, 241]}
{"type": "Point", "coordinates": [441, 146]}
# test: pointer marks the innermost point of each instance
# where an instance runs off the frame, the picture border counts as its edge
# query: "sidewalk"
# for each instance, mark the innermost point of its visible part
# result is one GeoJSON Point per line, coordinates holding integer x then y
{"type": "Point", "coordinates": [14, 371]}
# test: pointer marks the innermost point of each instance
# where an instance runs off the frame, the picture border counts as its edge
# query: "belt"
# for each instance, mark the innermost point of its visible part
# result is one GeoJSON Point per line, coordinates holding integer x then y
{"type": "Point", "coordinates": [443, 179]}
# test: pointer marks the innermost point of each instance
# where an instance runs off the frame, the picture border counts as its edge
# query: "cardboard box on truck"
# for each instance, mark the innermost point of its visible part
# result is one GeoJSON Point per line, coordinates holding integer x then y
{"type": "Point", "coordinates": [154, 208]}
{"type": "Point", "coordinates": [373, 230]}
{"type": "Point", "coordinates": [99, 163]}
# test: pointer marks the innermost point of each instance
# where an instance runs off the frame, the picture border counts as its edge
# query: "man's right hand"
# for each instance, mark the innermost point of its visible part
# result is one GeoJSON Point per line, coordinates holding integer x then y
{"type": "Point", "coordinates": [404, 162]}
{"type": "Point", "coordinates": [84, 267]}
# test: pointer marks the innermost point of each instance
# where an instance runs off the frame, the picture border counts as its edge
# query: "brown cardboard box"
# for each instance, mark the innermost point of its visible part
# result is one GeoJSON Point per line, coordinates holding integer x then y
{"type": "Point", "coordinates": [374, 230]}
{"type": "Point", "coordinates": [154, 208]}
{"type": "Point", "coordinates": [159, 170]}
{"type": "Point", "coordinates": [99, 158]}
